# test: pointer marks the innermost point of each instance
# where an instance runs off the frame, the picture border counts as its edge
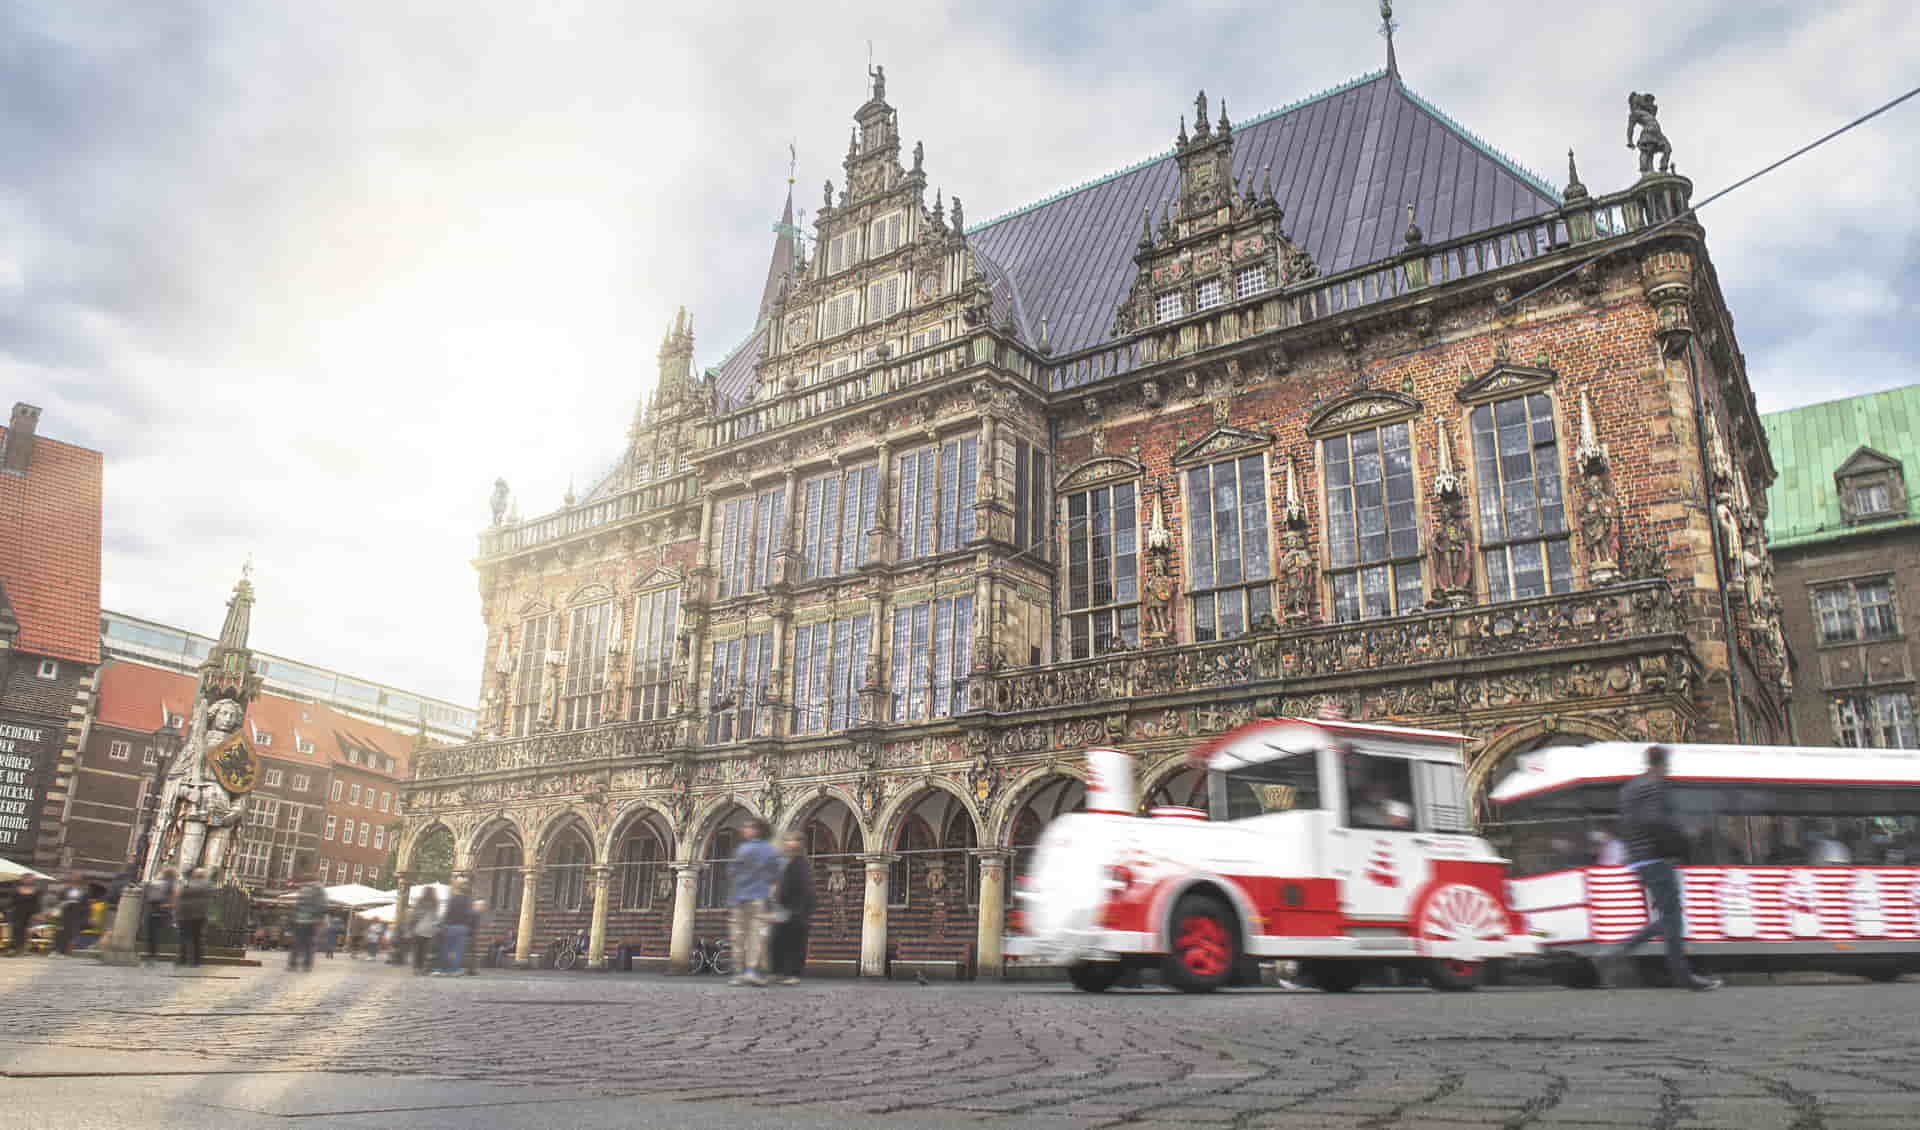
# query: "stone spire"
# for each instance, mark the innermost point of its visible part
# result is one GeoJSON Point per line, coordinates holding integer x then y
{"type": "Point", "coordinates": [227, 671]}
{"type": "Point", "coordinates": [1387, 28]}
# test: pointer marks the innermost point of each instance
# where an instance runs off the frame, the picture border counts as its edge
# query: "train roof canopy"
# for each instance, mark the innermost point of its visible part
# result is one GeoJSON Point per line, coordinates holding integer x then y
{"type": "Point", "coordinates": [1562, 767]}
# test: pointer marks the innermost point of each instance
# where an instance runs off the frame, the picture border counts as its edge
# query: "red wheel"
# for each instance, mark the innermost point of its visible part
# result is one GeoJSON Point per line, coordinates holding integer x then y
{"type": "Point", "coordinates": [1451, 975]}
{"type": "Point", "coordinates": [1205, 943]}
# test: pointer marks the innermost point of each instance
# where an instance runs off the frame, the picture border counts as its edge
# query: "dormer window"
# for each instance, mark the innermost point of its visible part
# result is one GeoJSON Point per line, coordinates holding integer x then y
{"type": "Point", "coordinates": [1871, 486]}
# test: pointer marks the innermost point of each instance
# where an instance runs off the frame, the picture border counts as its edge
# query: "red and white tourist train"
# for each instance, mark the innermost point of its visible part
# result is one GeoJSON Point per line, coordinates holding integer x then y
{"type": "Point", "coordinates": [1798, 858]}
{"type": "Point", "coordinates": [1343, 845]}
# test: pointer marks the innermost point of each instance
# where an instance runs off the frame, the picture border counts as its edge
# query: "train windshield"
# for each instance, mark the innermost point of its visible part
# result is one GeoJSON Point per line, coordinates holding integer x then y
{"type": "Point", "coordinates": [1286, 784]}
{"type": "Point", "coordinates": [1727, 823]}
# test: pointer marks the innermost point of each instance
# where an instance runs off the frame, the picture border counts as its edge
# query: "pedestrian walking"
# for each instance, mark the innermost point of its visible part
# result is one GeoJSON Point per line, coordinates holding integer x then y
{"type": "Point", "coordinates": [20, 912]}
{"type": "Point", "coordinates": [329, 935]}
{"type": "Point", "coordinates": [793, 907]}
{"type": "Point", "coordinates": [190, 906]}
{"type": "Point", "coordinates": [156, 905]}
{"type": "Point", "coordinates": [423, 927]}
{"type": "Point", "coordinates": [755, 868]}
{"type": "Point", "coordinates": [309, 907]}
{"type": "Point", "coordinates": [72, 915]}
{"type": "Point", "coordinates": [1655, 842]}
{"type": "Point", "coordinates": [456, 926]}
{"type": "Point", "coordinates": [376, 933]}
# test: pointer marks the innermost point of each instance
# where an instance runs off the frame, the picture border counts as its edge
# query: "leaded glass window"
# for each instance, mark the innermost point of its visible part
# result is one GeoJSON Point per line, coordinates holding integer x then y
{"type": "Point", "coordinates": [748, 540]}
{"type": "Point", "coordinates": [586, 665]}
{"type": "Point", "coordinates": [932, 654]}
{"type": "Point", "coordinates": [828, 658]}
{"type": "Point", "coordinates": [935, 494]}
{"type": "Point", "coordinates": [1103, 578]}
{"type": "Point", "coordinates": [1856, 612]}
{"type": "Point", "coordinates": [1877, 721]}
{"type": "Point", "coordinates": [1031, 490]}
{"type": "Point", "coordinates": [527, 676]}
{"type": "Point", "coordinates": [737, 685]}
{"type": "Point", "coordinates": [1523, 517]}
{"type": "Point", "coordinates": [1230, 563]}
{"type": "Point", "coordinates": [1167, 307]}
{"type": "Point", "coordinates": [655, 622]}
{"type": "Point", "coordinates": [1373, 539]}
{"type": "Point", "coordinates": [836, 510]}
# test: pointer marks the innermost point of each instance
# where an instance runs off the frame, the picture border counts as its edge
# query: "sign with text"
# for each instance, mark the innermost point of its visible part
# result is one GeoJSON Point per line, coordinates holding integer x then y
{"type": "Point", "coordinates": [27, 752]}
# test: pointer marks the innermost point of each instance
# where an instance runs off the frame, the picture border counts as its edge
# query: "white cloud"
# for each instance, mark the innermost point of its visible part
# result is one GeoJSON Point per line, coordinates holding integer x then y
{"type": "Point", "coordinates": [313, 275]}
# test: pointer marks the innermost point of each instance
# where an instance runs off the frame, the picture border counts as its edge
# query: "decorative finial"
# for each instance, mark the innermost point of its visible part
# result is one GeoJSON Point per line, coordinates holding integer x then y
{"type": "Point", "coordinates": [1226, 124]}
{"type": "Point", "coordinates": [1146, 225]}
{"type": "Point", "coordinates": [246, 568]}
{"type": "Point", "coordinates": [1414, 236]}
{"type": "Point", "coordinates": [1294, 513]}
{"type": "Point", "coordinates": [1266, 182]}
{"type": "Point", "coordinates": [1574, 190]}
{"type": "Point", "coordinates": [1159, 538]}
{"type": "Point", "coordinates": [939, 210]}
{"type": "Point", "coordinates": [1591, 453]}
{"type": "Point", "coordinates": [1046, 335]}
{"type": "Point", "coordinates": [853, 141]}
{"type": "Point", "coordinates": [1446, 481]}
{"type": "Point", "coordinates": [1387, 28]}
{"type": "Point", "coordinates": [1183, 131]}
{"type": "Point", "coordinates": [793, 159]}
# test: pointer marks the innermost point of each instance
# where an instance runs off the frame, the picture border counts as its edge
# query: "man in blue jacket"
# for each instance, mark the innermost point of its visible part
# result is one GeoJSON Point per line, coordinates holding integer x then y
{"type": "Point", "coordinates": [756, 867]}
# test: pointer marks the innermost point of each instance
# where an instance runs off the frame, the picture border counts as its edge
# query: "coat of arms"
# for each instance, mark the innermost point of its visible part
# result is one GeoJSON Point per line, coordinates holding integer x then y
{"type": "Point", "coordinates": [234, 765]}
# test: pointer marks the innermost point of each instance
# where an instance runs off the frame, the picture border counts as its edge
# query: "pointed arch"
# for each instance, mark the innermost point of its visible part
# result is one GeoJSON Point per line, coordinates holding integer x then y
{"type": "Point", "coordinates": [642, 809]}
{"type": "Point", "coordinates": [567, 820]}
{"type": "Point", "coordinates": [801, 814]}
{"type": "Point", "coordinates": [415, 835]}
{"type": "Point", "coordinates": [1539, 733]}
{"type": "Point", "coordinates": [887, 824]}
{"type": "Point", "coordinates": [1018, 792]}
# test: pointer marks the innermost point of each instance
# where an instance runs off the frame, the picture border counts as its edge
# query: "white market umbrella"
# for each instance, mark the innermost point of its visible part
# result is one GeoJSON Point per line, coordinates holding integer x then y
{"type": "Point", "coordinates": [11, 870]}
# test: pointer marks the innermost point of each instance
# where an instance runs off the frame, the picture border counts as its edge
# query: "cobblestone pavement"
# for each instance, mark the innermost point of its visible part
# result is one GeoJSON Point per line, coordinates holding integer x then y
{"type": "Point", "coordinates": [1755, 1057]}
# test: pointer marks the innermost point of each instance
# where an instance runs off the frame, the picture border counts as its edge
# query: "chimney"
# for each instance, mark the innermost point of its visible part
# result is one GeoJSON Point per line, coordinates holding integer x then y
{"type": "Point", "coordinates": [17, 451]}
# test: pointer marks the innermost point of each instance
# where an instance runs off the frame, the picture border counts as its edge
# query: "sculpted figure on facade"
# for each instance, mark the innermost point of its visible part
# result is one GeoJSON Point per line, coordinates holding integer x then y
{"type": "Point", "coordinates": [198, 810]}
{"type": "Point", "coordinates": [1298, 576]}
{"type": "Point", "coordinates": [1600, 527]}
{"type": "Point", "coordinates": [1643, 113]}
{"type": "Point", "coordinates": [1451, 553]}
{"type": "Point", "coordinates": [1157, 626]}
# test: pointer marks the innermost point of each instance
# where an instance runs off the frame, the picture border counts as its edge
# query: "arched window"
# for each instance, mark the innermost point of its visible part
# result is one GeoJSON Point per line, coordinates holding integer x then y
{"type": "Point", "coordinates": [501, 877]}
{"type": "Point", "coordinates": [570, 860]}
{"type": "Point", "coordinates": [639, 868]}
{"type": "Point", "coordinates": [716, 876]}
{"type": "Point", "coordinates": [963, 866]}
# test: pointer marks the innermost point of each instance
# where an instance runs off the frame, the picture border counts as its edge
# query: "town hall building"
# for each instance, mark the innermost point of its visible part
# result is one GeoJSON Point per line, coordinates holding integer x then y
{"type": "Point", "coordinates": [1333, 407]}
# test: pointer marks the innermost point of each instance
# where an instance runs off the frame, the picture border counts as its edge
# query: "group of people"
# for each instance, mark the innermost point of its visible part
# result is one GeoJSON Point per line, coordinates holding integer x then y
{"type": "Point", "coordinates": [772, 900]}
{"type": "Point", "coordinates": [69, 914]}
{"type": "Point", "coordinates": [435, 931]}
{"type": "Point", "coordinates": [185, 904]}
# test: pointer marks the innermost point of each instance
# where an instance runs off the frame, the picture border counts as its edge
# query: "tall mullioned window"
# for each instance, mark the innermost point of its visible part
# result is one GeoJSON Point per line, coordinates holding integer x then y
{"type": "Point", "coordinates": [1856, 611]}
{"type": "Point", "coordinates": [655, 620]}
{"type": "Point", "coordinates": [748, 539]}
{"type": "Point", "coordinates": [932, 653]}
{"type": "Point", "coordinates": [836, 511]}
{"type": "Point", "coordinates": [1373, 540]}
{"type": "Point", "coordinates": [741, 667]}
{"type": "Point", "coordinates": [1031, 490]}
{"type": "Point", "coordinates": [1882, 720]}
{"type": "Point", "coordinates": [1103, 578]}
{"type": "Point", "coordinates": [935, 490]}
{"type": "Point", "coordinates": [1227, 544]}
{"type": "Point", "coordinates": [828, 658]}
{"type": "Point", "coordinates": [587, 639]}
{"type": "Point", "coordinates": [534, 633]}
{"type": "Point", "coordinates": [1523, 516]}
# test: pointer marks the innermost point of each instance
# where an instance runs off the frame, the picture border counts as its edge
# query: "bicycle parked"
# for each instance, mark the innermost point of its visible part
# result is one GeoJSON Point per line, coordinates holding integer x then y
{"type": "Point", "coordinates": [711, 955]}
{"type": "Point", "coordinates": [565, 953]}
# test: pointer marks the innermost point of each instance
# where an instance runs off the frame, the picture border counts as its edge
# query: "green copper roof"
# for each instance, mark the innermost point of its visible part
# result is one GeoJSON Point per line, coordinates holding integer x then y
{"type": "Point", "coordinates": [1809, 444]}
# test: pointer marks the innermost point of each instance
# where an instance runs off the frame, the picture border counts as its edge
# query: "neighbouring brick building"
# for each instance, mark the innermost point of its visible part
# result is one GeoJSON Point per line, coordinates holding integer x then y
{"type": "Point", "coordinates": [1845, 541]}
{"type": "Point", "coordinates": [328, 781]}
{"type": "Point", "coordinates": [50, 514]}
{"type": "Point", "coordinates": [1333, 405]}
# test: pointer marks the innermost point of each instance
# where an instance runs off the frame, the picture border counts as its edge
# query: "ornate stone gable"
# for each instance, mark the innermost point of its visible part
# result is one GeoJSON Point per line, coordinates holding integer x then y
{"type": "Point", "coordinates": [1505, 379]}
{"type": "Point", "coordinates": [1221, 442]}
{"type": "Point", "coordinates": [1371, 406]}
{"type": "Point", "coordinates": [1100, 469]}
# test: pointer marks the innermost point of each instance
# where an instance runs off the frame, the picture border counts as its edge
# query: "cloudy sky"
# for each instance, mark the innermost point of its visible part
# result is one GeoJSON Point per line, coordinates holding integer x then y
{"type": "Point", "coordinates": [312, 275]}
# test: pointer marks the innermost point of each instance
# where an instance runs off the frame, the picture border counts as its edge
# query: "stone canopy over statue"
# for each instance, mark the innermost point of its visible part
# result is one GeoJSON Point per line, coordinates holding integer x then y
{"type": "Point", "coordinates": [204, 795]}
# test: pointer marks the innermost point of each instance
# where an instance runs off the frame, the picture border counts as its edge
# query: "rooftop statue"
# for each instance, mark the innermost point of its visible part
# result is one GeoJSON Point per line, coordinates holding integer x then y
{"type": "Point", "coordinates": [879, 77]}
{"type": "Point", "coordinates": [499, 501]}
{"type": "Point", "coordinates": [1644, 113]}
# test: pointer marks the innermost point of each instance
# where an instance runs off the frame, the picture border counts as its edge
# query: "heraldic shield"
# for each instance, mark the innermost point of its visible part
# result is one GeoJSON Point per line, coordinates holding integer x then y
{"type": "Point", "coordinates": [234, 765]}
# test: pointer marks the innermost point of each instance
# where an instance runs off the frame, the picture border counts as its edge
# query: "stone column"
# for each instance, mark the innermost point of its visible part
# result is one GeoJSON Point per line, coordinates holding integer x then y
{"type": "Point", "coordinates": [529, 895]}
{"type": "Point", "coordinates": [597, 938]}
{"type": "Point", "coordinates": [686, 889]}
{"type": "Point", "coordinates": [993, 912]}
{"type": "Point", "coordinates": [873, 915]}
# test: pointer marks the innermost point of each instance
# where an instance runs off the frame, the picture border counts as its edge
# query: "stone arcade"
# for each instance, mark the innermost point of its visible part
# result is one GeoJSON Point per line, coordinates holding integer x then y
{"type": "Point", "coordinates": [1248, 429]}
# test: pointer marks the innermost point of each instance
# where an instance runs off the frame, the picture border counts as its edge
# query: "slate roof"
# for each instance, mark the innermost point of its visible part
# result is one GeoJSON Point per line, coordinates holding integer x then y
{"type": "Point", "coordinates": [1810, 443]}
{"type": "Point", "coordinates": [1345, 164]}
{"type": "Point", "coordinates": [50, 550]}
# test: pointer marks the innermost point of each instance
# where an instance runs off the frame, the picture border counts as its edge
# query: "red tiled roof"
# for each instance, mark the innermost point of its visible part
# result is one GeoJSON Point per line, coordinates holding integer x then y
{"type": "Point", "coordinates": [50, 550]}
{"type": "Point", "coordinates": [133, 695]}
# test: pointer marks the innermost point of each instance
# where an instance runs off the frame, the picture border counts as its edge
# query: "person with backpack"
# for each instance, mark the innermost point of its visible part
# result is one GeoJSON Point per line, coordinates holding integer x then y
{"type": "Point", "coordinates": [309, 907]}
{"type": "Point", "coordinates": [1655, 842]}
{"type": "Point", "coordinates": [191, 905]}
